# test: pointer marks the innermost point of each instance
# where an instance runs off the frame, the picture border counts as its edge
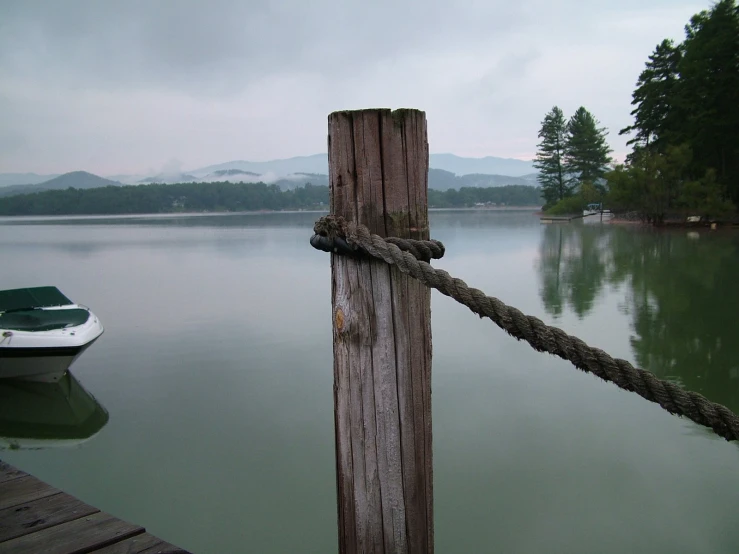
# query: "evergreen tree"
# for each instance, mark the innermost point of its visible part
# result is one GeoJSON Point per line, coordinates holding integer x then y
{"type": "Point", "coordinates": [550, 157]}
{"type": "Point", "coordinates": [586, 152]}
{"type": "Point", "coordinates": [709, 92]}
{"type": "Point", "coordinates": [655, 113]}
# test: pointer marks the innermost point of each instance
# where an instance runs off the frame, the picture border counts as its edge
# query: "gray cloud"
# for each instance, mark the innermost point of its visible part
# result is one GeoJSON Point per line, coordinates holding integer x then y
{"type": "Point", "coordinates": [121, 86]}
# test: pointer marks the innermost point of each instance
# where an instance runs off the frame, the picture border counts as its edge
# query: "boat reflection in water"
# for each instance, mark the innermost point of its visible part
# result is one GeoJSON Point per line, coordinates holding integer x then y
{"type": "Point", "coordinates": [41, 415]}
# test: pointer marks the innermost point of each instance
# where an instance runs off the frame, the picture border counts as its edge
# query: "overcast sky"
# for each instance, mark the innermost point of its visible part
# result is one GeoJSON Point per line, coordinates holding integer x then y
{"type": "Point", "coordinates": [138, 86]}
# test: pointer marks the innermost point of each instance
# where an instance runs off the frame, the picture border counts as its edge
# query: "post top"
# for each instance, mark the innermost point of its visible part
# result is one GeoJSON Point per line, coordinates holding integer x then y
{"type": "Point", "coordinates": [397, 114]}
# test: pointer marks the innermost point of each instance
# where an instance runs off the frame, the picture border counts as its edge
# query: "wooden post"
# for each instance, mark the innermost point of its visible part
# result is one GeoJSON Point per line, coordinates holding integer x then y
{"type": "Point", "coordinates": [378, 166]}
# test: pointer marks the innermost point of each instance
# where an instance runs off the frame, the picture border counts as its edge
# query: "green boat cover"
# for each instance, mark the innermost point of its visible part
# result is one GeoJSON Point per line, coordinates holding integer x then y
{"type": "Point", "coordinates": [36, 297]}
{"type": "Point", "coordinates": [42, 320]}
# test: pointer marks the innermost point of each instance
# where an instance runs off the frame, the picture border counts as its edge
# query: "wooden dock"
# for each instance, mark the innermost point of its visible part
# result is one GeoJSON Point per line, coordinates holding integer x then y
{"type": "Point", "coordinates": [36, 518]}
{"type": "Point", "coordinates": [556, 218]}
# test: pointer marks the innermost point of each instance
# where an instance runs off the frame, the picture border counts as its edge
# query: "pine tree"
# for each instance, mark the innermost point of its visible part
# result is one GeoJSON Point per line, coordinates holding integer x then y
{"type": "Point", "coordinates": [655, 114]}
{"type": "Point", "coordinates": [709, 92]}
{"type": "Point", "coordinates": [550, 157]}
{"type": "Point", "coordinates": [586, 152]}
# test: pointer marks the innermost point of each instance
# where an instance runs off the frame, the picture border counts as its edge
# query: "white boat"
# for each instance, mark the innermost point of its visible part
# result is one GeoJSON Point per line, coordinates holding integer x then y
{"type": "Point", "coordinates": [42, 332]}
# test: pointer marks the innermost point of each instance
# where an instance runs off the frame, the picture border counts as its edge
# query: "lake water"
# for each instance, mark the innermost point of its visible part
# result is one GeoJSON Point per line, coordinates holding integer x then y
{"type": "Point", "coordinates": [216, 372]}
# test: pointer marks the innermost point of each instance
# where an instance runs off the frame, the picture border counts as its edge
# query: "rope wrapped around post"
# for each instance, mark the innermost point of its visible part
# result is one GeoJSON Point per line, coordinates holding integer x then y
{"type": "Point", "coordinates": [356, 240]}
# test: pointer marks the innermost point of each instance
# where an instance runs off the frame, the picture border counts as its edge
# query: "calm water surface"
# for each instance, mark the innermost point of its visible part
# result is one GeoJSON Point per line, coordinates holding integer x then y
{"type": "Point", "coordinates": [216, 372]}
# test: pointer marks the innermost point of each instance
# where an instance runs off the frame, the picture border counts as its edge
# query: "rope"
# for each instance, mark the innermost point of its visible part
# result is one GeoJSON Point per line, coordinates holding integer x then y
{"type": "Point", "coordinates": [330, 236]}
{"type": "Point", "coordinates": [536, 333]}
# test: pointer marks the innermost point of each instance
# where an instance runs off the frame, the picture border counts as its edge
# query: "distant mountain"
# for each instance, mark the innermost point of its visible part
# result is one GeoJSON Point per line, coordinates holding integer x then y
{"type": "Point", "coordinates": [233, 172]}
{"type": "Point", "coordinates": [75, 179]}
{"type": "Point", "coordinates": [172, 178]}
{"type": "Point", "coordinates": [317, 163]}
{"type": "Point", "coordinates": [291, 172]}
{"type": "Point", "coordinates": [440, 179]}
{"type": "Point", "coordinates": [489, 165]}
{"type": "Point", "coordinates": [126, 179]}
{"type": "Point", "coordinates": [7, 179]}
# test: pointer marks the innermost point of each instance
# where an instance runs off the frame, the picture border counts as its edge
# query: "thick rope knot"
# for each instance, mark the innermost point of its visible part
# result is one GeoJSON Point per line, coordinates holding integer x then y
{"type": "Point", "coordinates": [335, 234]}
{"type": "Point", "coordinates": [331, 226]}
{"type": "Point", "coordinates": [543, 338]}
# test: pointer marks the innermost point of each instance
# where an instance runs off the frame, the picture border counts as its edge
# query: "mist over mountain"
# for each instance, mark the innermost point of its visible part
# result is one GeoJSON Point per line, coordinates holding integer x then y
{"type": "Point", "coordinates": [447, 171]}
{"type": "Point", "coordinates": [490, 165]}
{"type": "Point", "coordinates": [318, 163]}
{"type": "Point", "coordinates": [440, 179]}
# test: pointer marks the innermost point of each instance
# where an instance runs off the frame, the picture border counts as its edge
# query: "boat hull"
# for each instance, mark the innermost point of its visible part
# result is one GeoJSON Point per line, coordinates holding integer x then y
{"type": "Point", "coordinates": [45, 355]}
{"type": "Point", "coordinates": [39, 364]}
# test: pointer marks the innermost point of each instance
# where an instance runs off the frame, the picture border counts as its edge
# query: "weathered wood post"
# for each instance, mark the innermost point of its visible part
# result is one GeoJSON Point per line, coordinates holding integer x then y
{"type": "Point", "coordinates": [378, 165]}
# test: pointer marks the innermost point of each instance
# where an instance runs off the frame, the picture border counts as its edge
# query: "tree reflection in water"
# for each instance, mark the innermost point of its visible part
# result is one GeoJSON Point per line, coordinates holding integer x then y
{"type": "Point", "coordinates": [682, 295]}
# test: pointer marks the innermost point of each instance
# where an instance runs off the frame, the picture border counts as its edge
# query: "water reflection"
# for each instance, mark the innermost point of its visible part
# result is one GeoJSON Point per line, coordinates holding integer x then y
{"type": "Point", "coordinates": [37, 415]}
{"type": "Point", "coordinates": [682, 329]}
{"type": "Point", "coordinates": [572, 267]}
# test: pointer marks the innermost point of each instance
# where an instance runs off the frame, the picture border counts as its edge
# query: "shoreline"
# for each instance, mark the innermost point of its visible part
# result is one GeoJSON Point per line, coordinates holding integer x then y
{"type": "Point", "coordinates": [245, 212]}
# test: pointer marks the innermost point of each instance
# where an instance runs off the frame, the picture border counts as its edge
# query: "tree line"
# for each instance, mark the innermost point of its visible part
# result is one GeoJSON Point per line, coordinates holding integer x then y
{"type": "Point", "coordinates": [227, 197]}
{"type": "Point", "coordinates": [685, 134]}
{"type": "Point", "coordinates": [161, 198]}
{"type": "Point", "coordinates": [684, 137]}
{"type": "Point", "coordinates": [466, 197]}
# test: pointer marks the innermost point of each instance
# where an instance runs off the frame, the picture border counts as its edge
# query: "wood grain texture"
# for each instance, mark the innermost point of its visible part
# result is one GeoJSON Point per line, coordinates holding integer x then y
{"type": "Point", "coordinates": [378, 165]}
{"type": "Point", "coordinates": [82, 535]}
{"type": "Point", "coordinates": [38, 518]}
{"type": "Point", "coordinates": [8, 472]}
{"type": "Point", "coordinates": [33, 516]}
{"type": "Point", "coordinates": [135, 545]}
{"type": "Point", "coordinates": [24, 489]}
{"type": "Point", "coordinates": [141, 544]}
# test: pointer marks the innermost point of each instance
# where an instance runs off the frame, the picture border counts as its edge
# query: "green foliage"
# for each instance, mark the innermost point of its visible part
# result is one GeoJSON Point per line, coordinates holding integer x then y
{"type": "Point", "coordinates": [709, 89]}
{"type": "Point", "coordinates": [705, 197]}
{"type": "Point", "coordinates": [550, 157]}
{"type": "Point", "coordinates": [568, 206]}
{"type": "Point", "coordinates": [688, 95]}
{"type": "Point", "coordinates": [590, 193]}
{"type": "Point", "coordinates": [586, 150]}
{"type": "Point", "coordinates": [655, 99]}
{"type": "Point", "coordinates": [657, 185]}
{"type": "Point", "coordinates": [575, 204]}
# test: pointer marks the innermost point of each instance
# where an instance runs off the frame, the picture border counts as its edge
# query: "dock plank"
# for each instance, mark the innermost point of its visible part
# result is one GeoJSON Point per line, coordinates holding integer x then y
{"type": "Point", "coordinates": [141, 544]}
{"type": "Point", "coordinates": [8, 472]}
{"type": "Point", "coordinates": [24, 489]}
{"type": "Point", "coordinates": [134, 545]}
{"type": "Point", "coordinates": [165, 548]}
{"type": "Point", "coordinates": [36, 518]}
{"type": "Point", "coordinates": [79, 536]}
{"type": "Point", "coordinates": [36, 515]}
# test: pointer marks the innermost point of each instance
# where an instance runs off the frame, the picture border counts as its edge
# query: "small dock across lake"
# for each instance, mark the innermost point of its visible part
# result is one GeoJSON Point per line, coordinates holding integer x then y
{"type": "Point", "coordinates": [556, 218]}
{"type": "Point", "coordinates": [35, 517]}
